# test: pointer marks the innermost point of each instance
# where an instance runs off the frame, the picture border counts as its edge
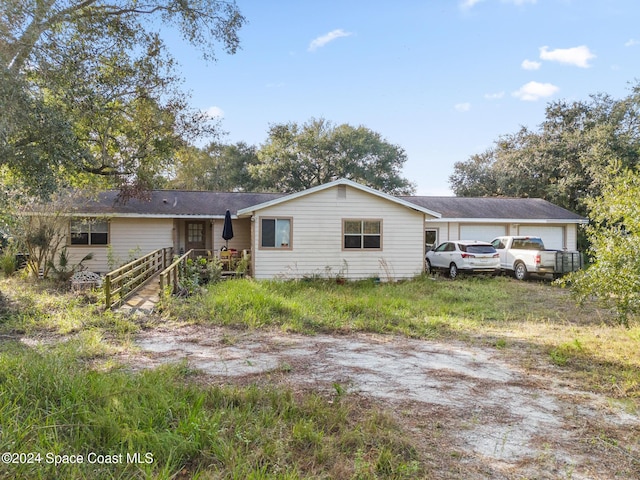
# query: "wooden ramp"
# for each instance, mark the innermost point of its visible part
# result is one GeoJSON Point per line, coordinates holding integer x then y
{"type": "Point", "coordinates": [145, 298]}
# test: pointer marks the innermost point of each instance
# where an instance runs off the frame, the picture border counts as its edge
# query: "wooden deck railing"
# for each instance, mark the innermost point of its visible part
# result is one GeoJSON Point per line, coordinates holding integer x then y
{"type": "Point", "coordinates": [124, 281]}
{"type": "Point", "coordinates": [170, 276]}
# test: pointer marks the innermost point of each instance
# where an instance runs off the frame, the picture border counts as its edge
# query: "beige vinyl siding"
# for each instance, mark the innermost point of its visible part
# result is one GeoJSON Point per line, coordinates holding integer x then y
{"type": "Point", "coordinates": [213, 229]}
{"type": "Point", "coordinates": [129, 238]}
{"type": "Point", "coordinates": [241, 235]}
{"type": "Point", "coordinates": [317, 238]}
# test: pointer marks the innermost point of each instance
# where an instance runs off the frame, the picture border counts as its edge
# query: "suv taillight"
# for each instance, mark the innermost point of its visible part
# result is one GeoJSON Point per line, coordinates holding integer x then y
{"type": "Point", "coordinates": [468, 255]}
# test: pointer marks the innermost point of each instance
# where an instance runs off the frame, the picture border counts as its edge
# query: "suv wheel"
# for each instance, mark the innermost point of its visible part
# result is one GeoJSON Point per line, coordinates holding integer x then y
{"type": "Point", "coordinates": [453, 271]}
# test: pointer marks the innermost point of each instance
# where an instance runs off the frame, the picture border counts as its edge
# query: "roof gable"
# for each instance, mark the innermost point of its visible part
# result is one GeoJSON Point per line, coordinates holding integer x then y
{"type": "Point", "coordinates": [341, 181]}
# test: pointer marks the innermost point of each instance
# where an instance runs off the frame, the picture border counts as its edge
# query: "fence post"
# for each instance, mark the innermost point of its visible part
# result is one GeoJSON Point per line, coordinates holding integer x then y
{"type": "Point", "coordinates": [107, 291]}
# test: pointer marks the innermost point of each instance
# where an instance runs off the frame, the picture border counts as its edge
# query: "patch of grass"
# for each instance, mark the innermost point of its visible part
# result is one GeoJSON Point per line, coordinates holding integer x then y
{"type": "Point", "coordinates": [53, 404]}
{"type": "Point", "coordinates": [36, 308]}
{"type": "Point", "coordinates": [410, 308]}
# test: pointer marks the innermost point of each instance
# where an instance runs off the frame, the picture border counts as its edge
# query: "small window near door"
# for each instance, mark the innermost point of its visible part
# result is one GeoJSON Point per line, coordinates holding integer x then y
{"type": "Point", "coordinates": [87, 231]}
{"type": "Point", "coordinates": [275, 233]}
{"type": "Point", "coordinates": [362, 234]}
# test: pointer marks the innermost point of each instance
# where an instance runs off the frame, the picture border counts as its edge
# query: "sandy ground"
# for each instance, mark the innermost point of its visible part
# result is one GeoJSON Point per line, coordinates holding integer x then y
{"type": "Point", "coordinates": [475, 412]}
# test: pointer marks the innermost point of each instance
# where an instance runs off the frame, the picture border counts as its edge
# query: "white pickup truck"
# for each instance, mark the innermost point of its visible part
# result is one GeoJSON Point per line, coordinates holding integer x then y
{"type": "Point", "coordinates": [523, 255]}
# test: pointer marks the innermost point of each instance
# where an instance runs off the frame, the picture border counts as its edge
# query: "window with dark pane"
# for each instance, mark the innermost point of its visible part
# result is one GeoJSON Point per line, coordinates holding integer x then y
{"type": "Point", "coordinates": [362, 234]}
{"type": "Point", "coordinates": [89, 232]}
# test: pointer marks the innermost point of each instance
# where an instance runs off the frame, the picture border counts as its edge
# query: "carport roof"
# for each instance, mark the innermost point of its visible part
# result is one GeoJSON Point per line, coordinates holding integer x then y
{"type": "Point", "coordinates": [495, 208]}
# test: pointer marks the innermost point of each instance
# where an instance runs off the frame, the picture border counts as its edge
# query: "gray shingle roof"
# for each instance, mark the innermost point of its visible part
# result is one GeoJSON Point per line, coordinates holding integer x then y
{"type": "Point", "coordinates": [175, 203]}
{"type": "Point", "coordinates": [179, 203]}
{"type": "Point", "coordinates": [494, 207]}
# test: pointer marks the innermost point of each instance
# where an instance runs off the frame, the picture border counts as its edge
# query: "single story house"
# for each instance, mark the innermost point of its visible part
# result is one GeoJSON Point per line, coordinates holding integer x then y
{"type": "Point", "coordinates": [339, 228]}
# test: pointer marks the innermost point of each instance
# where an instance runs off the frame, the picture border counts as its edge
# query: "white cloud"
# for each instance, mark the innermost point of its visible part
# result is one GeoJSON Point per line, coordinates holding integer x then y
{"type": "Point", "coordinates": [534, 91]}
{"type": "Point", "coordinates": [322, 40]}
{"type": "Point", "coordinates": [631, 42]}
{"type": "Point", "coordinates": [214, 112]}
{"type": "Point", "coordinates": [462, 107]}
{"type": "Point", "coordinates": [466, 4]}
{"type": "Point", "coordinates": [577, 56]}
{"type": "Point", "coordinates": [494, 96]}
{"type": "Point", "coordinates": [530, 65]}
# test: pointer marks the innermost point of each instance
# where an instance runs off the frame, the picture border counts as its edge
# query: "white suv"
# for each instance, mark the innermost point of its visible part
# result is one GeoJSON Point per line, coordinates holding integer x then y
{"type": "Point", "coordinates": [464, 256]}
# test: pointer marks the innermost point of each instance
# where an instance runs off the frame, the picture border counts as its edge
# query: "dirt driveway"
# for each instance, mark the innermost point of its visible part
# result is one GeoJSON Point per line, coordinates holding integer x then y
{"type": "Point", "coordinates": [475, 411]}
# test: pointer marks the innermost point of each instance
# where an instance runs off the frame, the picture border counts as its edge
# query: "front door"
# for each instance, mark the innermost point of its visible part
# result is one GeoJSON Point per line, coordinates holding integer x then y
{"type": "Point", "coordinates": [196, 236]}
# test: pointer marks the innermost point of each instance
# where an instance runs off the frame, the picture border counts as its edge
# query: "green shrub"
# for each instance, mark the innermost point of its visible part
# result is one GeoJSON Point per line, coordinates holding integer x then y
{"type": "Point", "coordinates": [8, 262]}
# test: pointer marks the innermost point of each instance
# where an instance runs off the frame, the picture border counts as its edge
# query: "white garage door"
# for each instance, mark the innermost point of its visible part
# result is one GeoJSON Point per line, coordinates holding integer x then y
{"type": "Point", "coordinates": [552, 237]}
{"type": "Point", "coordinates": [484, 233]}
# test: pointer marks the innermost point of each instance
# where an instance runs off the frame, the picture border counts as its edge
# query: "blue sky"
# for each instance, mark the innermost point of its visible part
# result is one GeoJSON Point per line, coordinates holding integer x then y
{"type": "Point", "coordinates": [441, 78]}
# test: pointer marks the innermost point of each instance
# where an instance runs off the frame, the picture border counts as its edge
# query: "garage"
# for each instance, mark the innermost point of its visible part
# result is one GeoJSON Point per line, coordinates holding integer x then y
{"type": "Point", "coordinates": [484, 233]}
{"type": "Point", "coordinates": [552, 236]}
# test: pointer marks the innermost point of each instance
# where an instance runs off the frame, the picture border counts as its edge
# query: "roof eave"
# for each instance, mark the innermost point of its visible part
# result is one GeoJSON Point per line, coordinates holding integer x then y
{"type": "Point", "coordinates": [149, 215]}
{"type": "Point", "coordinates": [509, 220]}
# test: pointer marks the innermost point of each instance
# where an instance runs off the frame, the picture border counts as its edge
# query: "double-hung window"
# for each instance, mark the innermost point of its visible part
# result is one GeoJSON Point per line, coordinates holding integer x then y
{"type": "Point", "coordinates": [275, 233]}
{"type": "Point", "coordinates": [362, 234]}
{"type": "Point", "coordinates": [86, 231]}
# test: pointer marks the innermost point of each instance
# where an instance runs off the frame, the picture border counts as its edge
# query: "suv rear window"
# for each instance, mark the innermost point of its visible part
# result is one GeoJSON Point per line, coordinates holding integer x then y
{"type": "Point", "coordinates": [527, 244]}
{"type": "Point", "coordinates": [480, 249]}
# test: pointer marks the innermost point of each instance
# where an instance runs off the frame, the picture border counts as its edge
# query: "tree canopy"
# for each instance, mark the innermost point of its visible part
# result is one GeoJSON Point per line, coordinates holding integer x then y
{"type": "Point", "coordinates": [217, 167]}
{"type": "Point", "coordinates": [296, 157]}
{"type": "Point", "coordinates": [293, 158]}
{"type": "Point", "coordinates": [88, 90]}
{"type": "Point", "coordinates": [614, 237]}
{"type": "Point", "coordinates": [564, 161]}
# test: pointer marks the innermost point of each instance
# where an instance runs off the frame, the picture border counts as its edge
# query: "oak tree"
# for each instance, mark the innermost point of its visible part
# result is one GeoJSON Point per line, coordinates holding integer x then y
{"type": "Point", "coordinates": [296, 157]}
{"type": "Point", "coordinates": [89, 90]}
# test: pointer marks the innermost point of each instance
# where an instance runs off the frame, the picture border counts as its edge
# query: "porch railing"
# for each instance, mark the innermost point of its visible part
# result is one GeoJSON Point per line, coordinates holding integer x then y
{"type": "Point", "coordinates": [124, 281]}
{"type": "Point", "coordinates": [171, 275]}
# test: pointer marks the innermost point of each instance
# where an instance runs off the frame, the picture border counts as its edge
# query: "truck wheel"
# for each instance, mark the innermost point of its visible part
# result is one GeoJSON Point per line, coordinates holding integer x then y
{"type": "Point", "coordinates": [453, 271]}
{"type": "Point", "coordinates": [520, 271]}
